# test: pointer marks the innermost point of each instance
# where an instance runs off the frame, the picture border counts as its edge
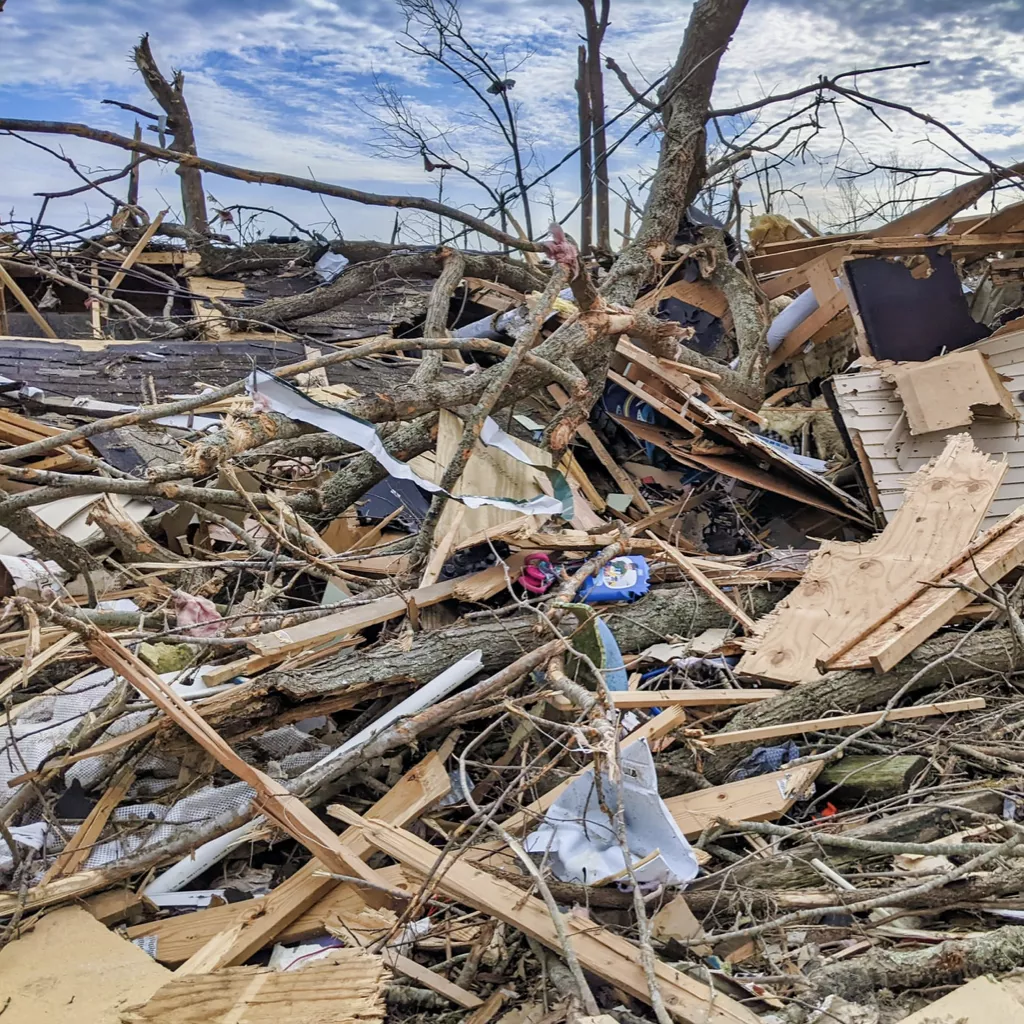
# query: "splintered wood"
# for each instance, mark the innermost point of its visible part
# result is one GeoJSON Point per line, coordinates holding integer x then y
{"type": "Point", "coordinates": [847, 585]}
{"type": "Point", "coordinates": [347, 987]}
{"type": "Point", "coordinates": [600, 951]}
{"type": "Point", "coordinates": [891, 637]}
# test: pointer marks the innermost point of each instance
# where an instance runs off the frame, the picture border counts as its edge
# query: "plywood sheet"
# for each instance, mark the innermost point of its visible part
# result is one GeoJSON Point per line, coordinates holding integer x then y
{"type": "Point", "coordinates": [69, 969]}
{"type": "Point", "coordinates": [982, 1001]}
{"type": "Point", "coordinates": [950, 391]}
{"type": "Point", "coordinates": [848, 585]}
{"type": "Point", "coordinates": [347, 987]}
{"type": "Point", "coordinates": [763, 798]}
{"type": "Point", "coordinates": [489, 471]}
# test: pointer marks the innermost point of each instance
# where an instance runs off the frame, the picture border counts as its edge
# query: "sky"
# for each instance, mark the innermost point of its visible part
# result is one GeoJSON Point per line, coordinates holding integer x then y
{"type": "Point", "coordinates": [292, 86]}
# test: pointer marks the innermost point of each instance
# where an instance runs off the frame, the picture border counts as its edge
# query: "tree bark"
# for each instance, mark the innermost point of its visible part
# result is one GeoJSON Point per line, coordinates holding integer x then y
{"type": "Point", "coordinates": [360, 278]}
{"type": "Point", "coordinates": [992, 650]}
{"type": "Point", "coordinates": [596, 26]}
{"type": "Point", "coordinates": [171, 98]}
{"type": "Point", "coordinates": [664, 612]}
{"type": "Point", "coordinates": [586, 152]}
{"type": "Point", "coordinates": [946, 963]}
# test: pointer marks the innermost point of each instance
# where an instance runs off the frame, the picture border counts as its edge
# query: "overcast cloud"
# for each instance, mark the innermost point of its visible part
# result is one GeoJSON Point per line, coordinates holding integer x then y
{"type": "Point", "coordinates": [288, 86]}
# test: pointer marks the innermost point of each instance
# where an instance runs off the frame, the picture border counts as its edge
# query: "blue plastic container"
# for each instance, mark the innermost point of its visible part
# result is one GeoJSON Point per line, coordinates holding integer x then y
{"type": "Point", "coordinates": [623, 579]}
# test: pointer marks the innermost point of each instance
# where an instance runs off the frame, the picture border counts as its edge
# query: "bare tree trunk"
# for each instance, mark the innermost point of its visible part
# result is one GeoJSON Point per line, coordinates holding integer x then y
{"type": "Point", "coordinates": [586, 153]}
{"type": "Point", "coordinates": [596, 27]}
{"type": "Point", "coordinates": [681, 161]}
{"type": "Point", "coordinates": [172, 101]}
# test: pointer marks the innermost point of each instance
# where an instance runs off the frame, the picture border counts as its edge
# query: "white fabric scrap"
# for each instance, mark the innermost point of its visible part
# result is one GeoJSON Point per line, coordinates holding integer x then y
{"type": "Point", "coordinates": [285, 400]}
{"type": "Point", "coordinates": [330, 265]}
{"type": "Point", "coordinates": [33, 836]}
{"type": "Point", "coordinates": [579, 839]}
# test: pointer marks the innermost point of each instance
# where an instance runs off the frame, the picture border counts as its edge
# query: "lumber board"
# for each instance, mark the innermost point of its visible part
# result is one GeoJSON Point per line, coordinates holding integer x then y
{"type": "Point", "coordinates": [179, 938]}
{"type": "Point", "coordinates": [598, 950]}
{"type": "Point", "coordinates": [477, 587]}
{"type": "Point", "coordinates": [420, 787]}
{"type": "Point", "coordinates": [659, 402]}
{"type": "Point", "coordinates": [709, 588]}
{"type": "Point", "coordinates": [630, 699]}
{"type": "Point", "coordinates": [279, 805]}
{"type": "Point", "coordinates": [763, 798]}
{"type": "Point", "coordinates": [807, 329]}
{"type": "Point", "coordinates": [930, 216]}
{"type": "Point", "coordinates": [431, 979]}
{"type": "Point", "coordinates": [26, 304]}
{"type": "Point", "coordinates": [347, 987]}
{"type": "Point", "coordinates": [855, 721]}
{"type": "Point", "coordinates": [892, 638]}
{"type": "Point", "coordinates": [847, 584]}
{"type": "Point", "coordinates": [136, 251]}
{"type": "Point", "coordinates": [79, 846]}
{"type": "Point", "coordinates": [697, 293]}
{"type": "Point", "coordinates": [615, 471]}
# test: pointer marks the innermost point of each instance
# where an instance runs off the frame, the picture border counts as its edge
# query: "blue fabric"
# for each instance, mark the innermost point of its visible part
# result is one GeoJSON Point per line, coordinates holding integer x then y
{"type": "Point", "coordinates": [764, 760]}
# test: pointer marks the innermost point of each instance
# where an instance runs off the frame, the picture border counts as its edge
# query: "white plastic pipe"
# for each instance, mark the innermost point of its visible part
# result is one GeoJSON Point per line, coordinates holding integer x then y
{"type": "Point", "coordinates": [205, 856]}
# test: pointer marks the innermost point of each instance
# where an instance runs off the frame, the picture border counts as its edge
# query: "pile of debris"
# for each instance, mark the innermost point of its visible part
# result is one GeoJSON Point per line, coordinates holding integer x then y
{"type": "Point", "coordinates": [396, 631]}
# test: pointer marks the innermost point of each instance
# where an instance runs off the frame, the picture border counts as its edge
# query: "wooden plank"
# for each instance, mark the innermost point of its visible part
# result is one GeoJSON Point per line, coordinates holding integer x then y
{"type": "Point", "coordinates": [418, 789]}
{"type": "Point", "coordinates": [622, 478]}
{"type": "Point", "coordinates": [981, 1001]}
{"type": "Point", "coordinates": [770, 732]}
{"type": "Point", "coordinates": [431, 979]}
{"type": "Point", "coordinates": [80, 845]}
{"type": "Point", "coordinates": [134, 253]}
{"type": "Point", "coordinates": [663, 370]}
{"type": "Point", "coordinates": [697, 293]}
{"type": "Point", "coordinates": [179, 938]}
{"type": "Point", "coordinates": [706, 585]}
{"type": "Point", "coordinates": [442, 549]}
{"type": "Point", "coordinates": [847, 585]}
{"type": "Point", "coordinates": [629, 699]}
{"type": "Point", "coordinates": [571, 468]}
{"type": "Point", "coordinates": [658, 402]}
{"type": "Point", "coordinates": [347, 987]}
{"type": "Point", "coordinates": [22, 674]}
{"type": "Point", "coordinates": [893, 638]}
{"type": "Point", "coordinates": [763, 798]}
{"type": "Point", "coordinates": [279, 805]}
{"type": "Point", "coordinates": [599, 951]}
{"type": "Point", "coordinates": [67, 968]}
{"type": "Point", "coordinates": [1009, 218]}
{"type": "Point", "coordinates": [95, 306]}
{"type": "Point", "coordinates": [26, 303]}
{"type": "Point", "coordinates": [932, 215]}
{"type": "Point", "coordinates": [479, 587]}
{"type": "Point", "coordinates": [805, 331]}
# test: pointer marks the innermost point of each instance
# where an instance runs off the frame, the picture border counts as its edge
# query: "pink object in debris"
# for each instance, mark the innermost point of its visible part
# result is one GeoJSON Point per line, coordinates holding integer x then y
{"type": "Point", "coordinates": [260, 403]}
{"type": "Point", "coordinates": [562, 251]}
{"type": "Point", "coordinates": [198, 615]}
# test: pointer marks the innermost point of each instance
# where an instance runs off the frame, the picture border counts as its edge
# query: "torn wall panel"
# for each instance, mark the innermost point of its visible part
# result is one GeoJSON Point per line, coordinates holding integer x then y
{"type": "Point", "coordinates": [871, 409]}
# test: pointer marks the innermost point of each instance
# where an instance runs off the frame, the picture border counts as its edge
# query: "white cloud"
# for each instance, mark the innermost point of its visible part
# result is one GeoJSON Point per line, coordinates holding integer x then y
{"type": "Point", "coordinates": [275, 85]}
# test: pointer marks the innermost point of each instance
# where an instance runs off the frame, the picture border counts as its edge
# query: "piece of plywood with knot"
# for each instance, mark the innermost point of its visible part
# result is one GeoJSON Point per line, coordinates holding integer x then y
{"type": "Point", "coordinates": [848, 585]}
